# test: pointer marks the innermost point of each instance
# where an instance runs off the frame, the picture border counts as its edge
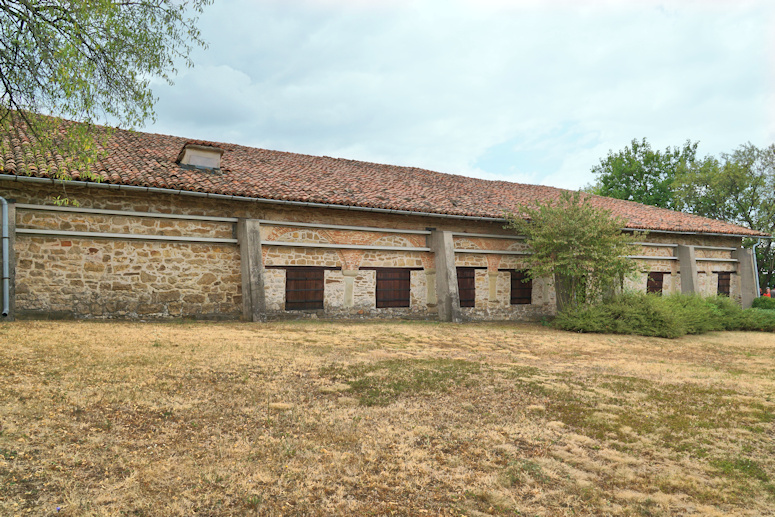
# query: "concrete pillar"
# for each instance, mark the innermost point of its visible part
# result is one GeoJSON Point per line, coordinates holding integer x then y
{"type": "Point", "coordinates": [11, 262]}
{"type": "Point", "coordinates": [447, 298]}
{"type": "Point", "coordinates": [252, 270]}
{"type": "Point", "coordinates": [349, 280]}
{"type": "Point", "coordinates": [747, 273]}
{"type": "Point", "coordinates": [687, 262]}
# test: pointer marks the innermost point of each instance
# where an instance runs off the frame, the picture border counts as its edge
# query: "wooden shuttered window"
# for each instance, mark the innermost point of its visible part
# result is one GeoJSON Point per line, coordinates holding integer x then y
{"type": "Point", "coordinates": [724, 279]}
{"type": "Point", "coordinates": [655, 282]}
{"type": "Point", "coordinates": [393, 287]}
{"type": "Point", "coordinates": [521, 289]}
{"type": "Point", "coordinates": [466, 286]}
{"type": "Point", "coordinates": [304, 288]}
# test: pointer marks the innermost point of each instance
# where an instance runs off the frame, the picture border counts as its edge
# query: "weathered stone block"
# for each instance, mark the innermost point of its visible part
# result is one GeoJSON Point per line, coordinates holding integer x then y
{"type": "Point", "coordinates": [94, 267]}
{"type": "Point", "coordinates": [166, 296]}
{"type": "Point", "coordinates": [149, 308]}
{"type": "Point", "coordinates": [147, 277]}
{"type": "Point", "coordinates": [334, 287]}
{"type": "Point", "coordinates": [206, 279]}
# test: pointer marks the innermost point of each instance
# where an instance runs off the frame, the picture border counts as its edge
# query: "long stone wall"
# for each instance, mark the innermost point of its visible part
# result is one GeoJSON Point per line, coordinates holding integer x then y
{"type": "Point", "coordinates": [101, 278]}
{"type": "Point", "coordinates": [104, 278]}
{"type": "Point", "coordinates": [709, 262]}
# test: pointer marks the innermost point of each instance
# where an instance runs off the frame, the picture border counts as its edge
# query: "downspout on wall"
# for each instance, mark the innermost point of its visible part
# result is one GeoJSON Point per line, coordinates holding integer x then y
{"type": "Point", "coordinates": [756, 269]}
{"type": "Point", "coordinates": [6, 269]}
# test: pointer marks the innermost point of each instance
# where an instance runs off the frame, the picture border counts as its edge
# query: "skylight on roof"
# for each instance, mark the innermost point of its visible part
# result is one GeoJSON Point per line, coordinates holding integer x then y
{"type": "Point", "coordinates": [200, 156]}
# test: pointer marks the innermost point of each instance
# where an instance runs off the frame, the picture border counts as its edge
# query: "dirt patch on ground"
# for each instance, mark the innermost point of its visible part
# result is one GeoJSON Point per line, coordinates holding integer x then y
{"type": "Point", "coordinates": [403, 418]}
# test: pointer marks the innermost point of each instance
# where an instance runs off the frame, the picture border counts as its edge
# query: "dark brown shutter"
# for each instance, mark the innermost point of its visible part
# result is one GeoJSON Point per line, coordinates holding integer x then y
{"type": "Point", "coordinates": [466, 286]}
{"type": "Point", "coordinates": [655, 283]}
{"type": "Point", "coordinates": [393, 287]}
{"type": "Point", "coordinates": [304, 288]}
{"type": "Point", "coordinates": [723, 282]}
{"type": "Point", "coordinates": [521, 290]}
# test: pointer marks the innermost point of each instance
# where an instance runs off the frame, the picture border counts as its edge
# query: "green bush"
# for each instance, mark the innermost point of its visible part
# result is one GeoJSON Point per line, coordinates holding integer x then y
{"type": "Point", "coordinates": [758, 319]}
{"type": "Point", "coordinates": [664, 316]}
{"type": "Point", "coordinates": [763, 302]}
{"type": "Point", "coordinates": [639, 314]}
{"type": "Point", "coordinates": [696, 315]}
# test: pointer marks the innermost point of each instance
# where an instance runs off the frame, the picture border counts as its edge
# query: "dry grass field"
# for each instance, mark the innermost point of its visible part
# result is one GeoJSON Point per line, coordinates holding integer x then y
{"type": "Point", "coordinates": [404, 418]}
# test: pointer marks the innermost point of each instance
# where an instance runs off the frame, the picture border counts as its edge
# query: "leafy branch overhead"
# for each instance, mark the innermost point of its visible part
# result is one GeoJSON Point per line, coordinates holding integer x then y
{"type": "Point", "coordinates": [91, 61]}
{"type": "Point", "coordinates": [579, 245]}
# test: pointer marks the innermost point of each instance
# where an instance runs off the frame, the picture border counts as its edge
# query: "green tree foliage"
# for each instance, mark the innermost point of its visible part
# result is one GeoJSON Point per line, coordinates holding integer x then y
{"type": "Point", "coordinates": [86, 60]}
{"type": "Point", "coordinates": [639, 173]}
{"type": "Point", "coordinates": [582, 247]}
{"type": "Point", "coordinates": [739, 188]}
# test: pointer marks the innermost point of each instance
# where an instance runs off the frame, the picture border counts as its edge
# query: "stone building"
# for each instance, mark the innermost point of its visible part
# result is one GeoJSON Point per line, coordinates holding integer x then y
{"type": "Point", "coordinates": [180, 228]}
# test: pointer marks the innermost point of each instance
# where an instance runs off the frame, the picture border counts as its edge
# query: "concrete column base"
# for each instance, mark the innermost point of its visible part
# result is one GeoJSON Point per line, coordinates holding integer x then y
{"type": "Point", "coordinates": [747, 273]}
{"type": "Point", "coordinates": [448, 299]}
{"type": "Point", "coordinates": [252, 270]}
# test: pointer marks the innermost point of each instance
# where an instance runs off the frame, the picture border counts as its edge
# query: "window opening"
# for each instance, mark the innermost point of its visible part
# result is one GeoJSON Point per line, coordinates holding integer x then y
{"type": "Point", "coordinates": [304, 288]}
{"type": "Point", "coordinates": [521, 289]}
{"type": "Point", "coordinates": [655, 282]}
{"type": "Point", "coordinates": [466, 286]}
{"type": "Point", "coordinates": [724, 279]}
{"type": "Point", "coordinates": [393, 287]}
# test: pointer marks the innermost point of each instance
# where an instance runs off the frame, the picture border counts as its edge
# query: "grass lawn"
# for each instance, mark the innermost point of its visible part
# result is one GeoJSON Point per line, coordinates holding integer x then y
{"type": "Point", "coordinates": [400, 418]}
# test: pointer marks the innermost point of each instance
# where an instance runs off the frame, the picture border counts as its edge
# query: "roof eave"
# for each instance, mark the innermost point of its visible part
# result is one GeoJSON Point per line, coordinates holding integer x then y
{"type": "Point", "coordinates": [118, 186]}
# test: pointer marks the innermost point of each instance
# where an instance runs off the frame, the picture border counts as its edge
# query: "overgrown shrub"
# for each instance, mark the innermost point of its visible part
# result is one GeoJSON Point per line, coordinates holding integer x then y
{"type": "Point", "coordinates": [763, 302]}
{"type": "Point", "coordinates": [758, 319]}
{"type": "Point", "coordinates": [664, 316]}
{"type": "Point", "coordinates": [641, 314]}
{"type": "Point", "coordinates": [698, 315]}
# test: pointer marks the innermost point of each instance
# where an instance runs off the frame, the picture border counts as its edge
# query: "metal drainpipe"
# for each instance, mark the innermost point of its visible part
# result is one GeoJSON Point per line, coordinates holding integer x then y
{"type": "Point", "coordinates": [6, 260]}
{"type": "Point", "coordinates": [756, 268]}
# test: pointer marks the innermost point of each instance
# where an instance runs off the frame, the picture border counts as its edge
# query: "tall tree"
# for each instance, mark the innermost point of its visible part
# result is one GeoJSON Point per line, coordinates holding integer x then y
{"type": "Point", "coordinates": [639, 173]}
{"type": "Point", "coordinates": [578, 245]}
{"type": "Point", "coordinates": [86, 60]}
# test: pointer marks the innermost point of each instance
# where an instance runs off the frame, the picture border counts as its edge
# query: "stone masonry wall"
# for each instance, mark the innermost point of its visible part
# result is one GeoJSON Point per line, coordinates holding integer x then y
{"type": "Point", "coordinates": [99, 278]}
{"type": "Point", "coordinates": [102, 278]}
{"type": "Point", "coordinates": [707, 267]}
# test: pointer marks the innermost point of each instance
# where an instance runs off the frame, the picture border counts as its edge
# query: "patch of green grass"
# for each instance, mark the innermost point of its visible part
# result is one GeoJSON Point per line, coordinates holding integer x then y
{"type": "Point", "coordinates": [254, 502]}
{"type": "Point", "coordinates": [380, 383]}
{"type": "Point", "coordinates": [671, 413]}
{"type": "Point", "coordinates": [741, 467]}
{"type": "Point", "coordinates": [8, 454]}
{"type": "Point", "coordinates": [520, 372]}
{"type": "Point", "coordinates": [517, 471]}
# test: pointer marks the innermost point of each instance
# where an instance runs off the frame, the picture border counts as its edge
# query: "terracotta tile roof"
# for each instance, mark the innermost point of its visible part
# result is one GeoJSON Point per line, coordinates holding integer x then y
{"type": "Point", "coordinates": [146, 159]}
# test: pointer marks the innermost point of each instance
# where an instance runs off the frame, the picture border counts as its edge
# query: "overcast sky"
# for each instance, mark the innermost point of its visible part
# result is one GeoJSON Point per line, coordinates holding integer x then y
{"type": "Point", "coordinates": [526, 91]}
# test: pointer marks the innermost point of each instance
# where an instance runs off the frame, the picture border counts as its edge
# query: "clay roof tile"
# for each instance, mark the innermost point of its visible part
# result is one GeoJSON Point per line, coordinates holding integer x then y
{"type": "Point", "coordinates": [146, 159]}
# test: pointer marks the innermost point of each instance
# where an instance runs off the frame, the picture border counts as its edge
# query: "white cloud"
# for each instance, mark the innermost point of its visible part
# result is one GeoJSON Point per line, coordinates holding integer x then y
{"type": "Point", "coordinates": [525, 91]}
